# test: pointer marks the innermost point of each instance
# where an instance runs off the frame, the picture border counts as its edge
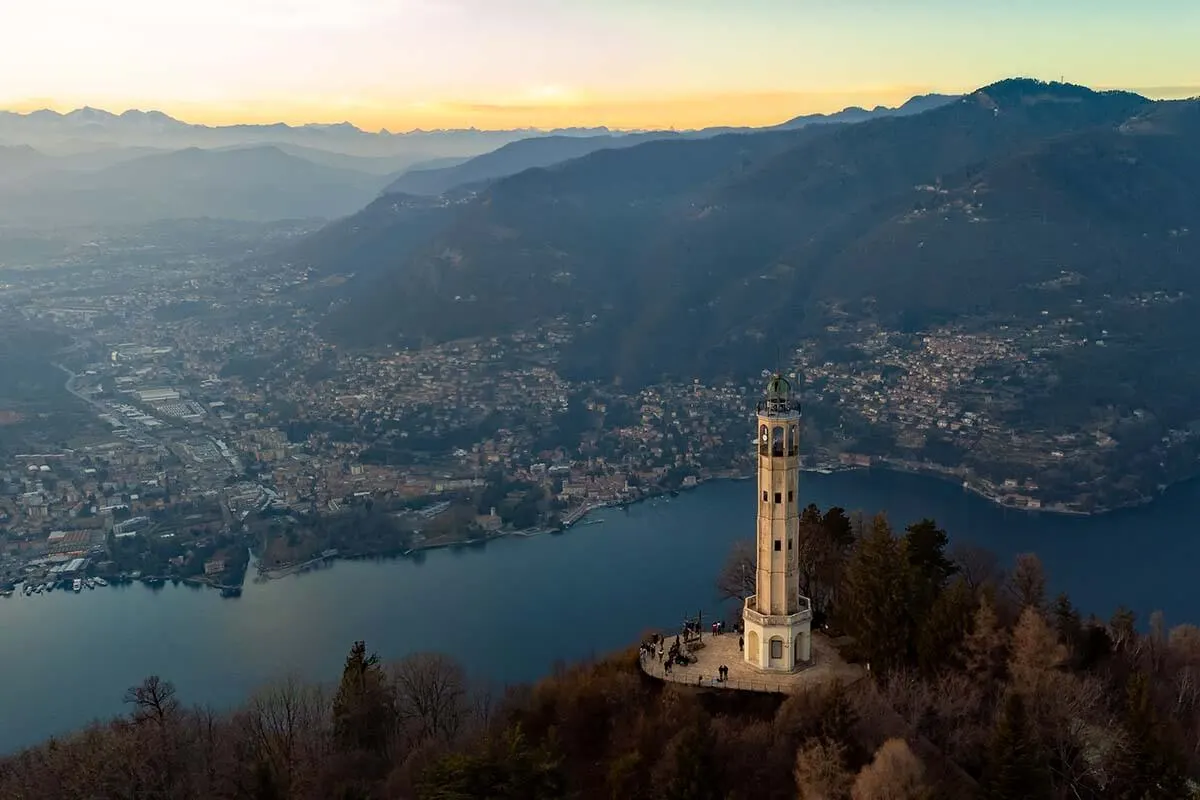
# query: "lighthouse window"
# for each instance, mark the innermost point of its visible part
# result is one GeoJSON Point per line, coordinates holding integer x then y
{"type": "Point", "coordinates": [777, 441]}
{"type": "Point", "coordinates": [789, 544]}
{"type": "Point", "coordinates": [793, 441]}
{"type": "Point", "coordinates": [764, 496]}
{"type": "Point", "coordinates": [777, 648]}
{"type": "Point", "coordinates": [779, 497]}
{"type": "Point", "coordinates": [778, 545]}
{"type": "Point", "coordinates": [791, 495]}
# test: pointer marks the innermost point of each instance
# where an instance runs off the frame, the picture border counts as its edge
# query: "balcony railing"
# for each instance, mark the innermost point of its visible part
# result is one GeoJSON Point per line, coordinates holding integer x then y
{"type": "Point", "coordinates": [754, 615]}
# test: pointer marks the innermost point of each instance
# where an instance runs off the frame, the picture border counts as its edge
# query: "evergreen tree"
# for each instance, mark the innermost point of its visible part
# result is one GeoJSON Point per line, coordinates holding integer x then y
{"type": "Point", "coordinates": [1015, 767]}
{"type": "Point", "coordinates": [942, 634]}
{"type": "Point", "coordinates": [693, 773]}
{"type": "Point", "coordinates": [1068, 624]}
{"type": "Point", "coordinates": [1152, 768]}
{"type": "Point", "coordinates": [874, 610]}
{"type": "Point", "coordinates": [925, 549]}
{"type": "Point", "coordinates": [364, 707]}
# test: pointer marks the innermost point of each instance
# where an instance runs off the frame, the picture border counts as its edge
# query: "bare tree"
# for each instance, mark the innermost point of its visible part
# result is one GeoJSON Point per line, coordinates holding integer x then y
{"type": "Point", "coordinates": [977, 566]}
{"type": "Point", "coordinates": [821, 771]}
{"type": "Point", "coordinates": [153, 700]}
{"type": "Point", "coordinates": [1027, 584]}
{"type": "Point", "coordinates": [894, 774]}
{"type": "Point", "coordinates": [430, 696]}
{"type": "Point", "coordinates": [736, 580]}
{"type": "Point", "coordinates": [286, 722]}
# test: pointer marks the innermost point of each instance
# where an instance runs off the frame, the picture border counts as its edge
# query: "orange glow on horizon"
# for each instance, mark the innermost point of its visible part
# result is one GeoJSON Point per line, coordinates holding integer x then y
{"type": "Point", "coordinates": [549, 109]}
{"type": "Point", "coordinates": [734, 109]}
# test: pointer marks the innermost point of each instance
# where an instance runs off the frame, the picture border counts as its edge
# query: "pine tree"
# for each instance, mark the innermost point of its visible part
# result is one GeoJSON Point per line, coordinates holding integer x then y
{"type": "Point", "coordinates": [364, 707]}
{"type": "Point", "coordinates": [942, 634]}
{"type": "Point", "coordinates": [1015, 767]}
{"type": "Point", "coordinates": [874, 610]}
{"type": "Point", "coordinates": [1068, 624]}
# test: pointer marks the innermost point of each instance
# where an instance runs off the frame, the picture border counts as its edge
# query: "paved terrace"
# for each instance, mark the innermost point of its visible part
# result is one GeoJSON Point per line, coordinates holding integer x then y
{"type": "Point", "coordinates": [826, 666]}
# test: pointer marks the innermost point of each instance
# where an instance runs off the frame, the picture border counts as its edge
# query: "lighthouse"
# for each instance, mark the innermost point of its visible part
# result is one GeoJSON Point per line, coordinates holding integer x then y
{"type": "Point", "coordinates": [777, 619]}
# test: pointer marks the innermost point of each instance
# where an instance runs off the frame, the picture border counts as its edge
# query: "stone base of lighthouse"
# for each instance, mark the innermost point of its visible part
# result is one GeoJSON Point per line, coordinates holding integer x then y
{"type": "Point", "coordinates": [775, 643]}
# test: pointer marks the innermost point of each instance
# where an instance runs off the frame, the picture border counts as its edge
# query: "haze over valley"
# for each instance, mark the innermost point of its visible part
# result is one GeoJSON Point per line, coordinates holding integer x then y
{"type": "Point", "coordinates": [845, 354]}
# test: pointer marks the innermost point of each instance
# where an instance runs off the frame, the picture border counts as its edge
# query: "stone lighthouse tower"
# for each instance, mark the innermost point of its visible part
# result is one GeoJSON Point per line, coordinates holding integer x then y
{"type": "Point", "coordinates": [777, 620]}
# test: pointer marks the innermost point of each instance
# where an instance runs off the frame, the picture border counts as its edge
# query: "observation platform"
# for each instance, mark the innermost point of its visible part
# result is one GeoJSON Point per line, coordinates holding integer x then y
{"type": "Point", "coordinates": [713, 651]}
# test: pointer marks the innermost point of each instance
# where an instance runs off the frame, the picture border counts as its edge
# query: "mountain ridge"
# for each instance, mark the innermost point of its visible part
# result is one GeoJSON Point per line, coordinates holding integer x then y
{"type": "Point", "coordinates": [695, 225]}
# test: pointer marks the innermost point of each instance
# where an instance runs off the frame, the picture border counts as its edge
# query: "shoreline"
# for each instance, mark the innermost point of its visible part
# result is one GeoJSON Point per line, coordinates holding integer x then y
{"type": "Point", "coordinates": [581, 514]}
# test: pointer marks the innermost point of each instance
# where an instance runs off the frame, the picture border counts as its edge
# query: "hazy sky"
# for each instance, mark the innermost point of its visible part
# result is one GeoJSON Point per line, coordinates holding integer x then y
{"type": "Point", "coordinates": [625, 63]}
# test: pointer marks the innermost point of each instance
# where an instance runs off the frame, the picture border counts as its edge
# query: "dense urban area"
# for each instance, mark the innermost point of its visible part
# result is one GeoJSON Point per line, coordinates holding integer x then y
{"type": "Point", "coordinates": [167, 408]}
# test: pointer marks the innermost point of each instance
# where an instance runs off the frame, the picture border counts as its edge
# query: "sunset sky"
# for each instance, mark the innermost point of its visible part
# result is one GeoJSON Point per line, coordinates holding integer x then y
{"type": "Point", "coordinates": [404, 64]}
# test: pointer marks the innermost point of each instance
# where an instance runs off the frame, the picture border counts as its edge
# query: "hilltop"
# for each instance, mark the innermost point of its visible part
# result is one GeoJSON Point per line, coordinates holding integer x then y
{"type": "Point", "coordinates": [683, 254]}
{"type": "Point", "coordinates": [980, 687]}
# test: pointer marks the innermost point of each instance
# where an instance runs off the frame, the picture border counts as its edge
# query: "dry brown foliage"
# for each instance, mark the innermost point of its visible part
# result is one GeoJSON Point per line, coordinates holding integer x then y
{"type": "Point", "coordinates": [821, 772]}
{"type": "Point", "coordinates": [894, 774]}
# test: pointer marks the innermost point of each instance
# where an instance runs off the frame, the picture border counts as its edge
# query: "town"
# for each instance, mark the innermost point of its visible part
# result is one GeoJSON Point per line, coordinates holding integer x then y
{"type": "Point", "coordinates": [166, 415]}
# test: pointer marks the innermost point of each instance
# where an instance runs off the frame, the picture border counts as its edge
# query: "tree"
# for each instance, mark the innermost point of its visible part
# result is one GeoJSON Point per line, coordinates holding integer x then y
{"type": "Point", "coordinates": [737, 579]}
{"type": "Point", "coordinates": [1067, 624]}
{"type": "Point", "coordinates": [1015, 768]}
{"type": "Point", "coordinates": [153, 700]}
{"type": "Point", "coordinates": [689, 764]}
{"type": "Point", "coordinates": [1152, 768]}
{"type": "Point", "coordinates": [925, 549]}
{"type": "Point", "coordinates": [942, 634]}
{"type": "Point", "coordinates": [430, 692]}
{"type": "Point", "coordinates": [1027, 585]}
{"type": "Point", "coordinates": [505, 768]}
{"type": "Point", "coordinates": [874, 609]}
{"type": "Point", "coordinates": [821, 772]}
{"type": "Point", "coordinates": [894, 774]}
{"type": "Point", "coordinates": [1035, 652]}
{"type": "Point", "coordinates": [364, 707]}
{"type": "Point", "coordinates": [976, 565]}
{"type": "Point", "coordinates": [983, 649]}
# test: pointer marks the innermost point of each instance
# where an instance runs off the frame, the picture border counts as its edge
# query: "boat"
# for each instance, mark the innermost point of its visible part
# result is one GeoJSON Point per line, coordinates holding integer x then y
{"type": "Point", "coordinates": [6, 592]}
{"type": "Point", "coordinates": [231, 591]}
{"type": "Point", "coordinates": [90, 583]}
{"type": "Point", "coordinates": [101, 582]}
{"type": "Point", "coordinates": [76, 585]}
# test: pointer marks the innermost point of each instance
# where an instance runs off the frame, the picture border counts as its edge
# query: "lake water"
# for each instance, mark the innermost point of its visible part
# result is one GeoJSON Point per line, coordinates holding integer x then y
{"type": "Point", "coordinates": [509, 610]}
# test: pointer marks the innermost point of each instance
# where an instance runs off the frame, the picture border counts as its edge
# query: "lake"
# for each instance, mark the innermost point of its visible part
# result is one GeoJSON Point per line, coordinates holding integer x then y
{"type": "Point", "coordinates": [509, 610]}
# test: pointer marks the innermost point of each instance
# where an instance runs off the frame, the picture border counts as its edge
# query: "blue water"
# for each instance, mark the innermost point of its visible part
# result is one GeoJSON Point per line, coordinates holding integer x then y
{"type": "Point", "coordinates": [508, 611]}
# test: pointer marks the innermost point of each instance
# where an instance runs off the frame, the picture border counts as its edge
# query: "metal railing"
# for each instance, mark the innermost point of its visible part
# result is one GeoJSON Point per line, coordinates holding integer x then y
{"type": "Point", "coordinates": [655, 670]}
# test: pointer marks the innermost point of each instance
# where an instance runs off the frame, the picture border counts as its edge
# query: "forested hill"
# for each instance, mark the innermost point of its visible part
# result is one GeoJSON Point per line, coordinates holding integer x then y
{"type": "Point", "coordinates": [694, 255]}
{"type": "Point", "coordinates": [980, 687]}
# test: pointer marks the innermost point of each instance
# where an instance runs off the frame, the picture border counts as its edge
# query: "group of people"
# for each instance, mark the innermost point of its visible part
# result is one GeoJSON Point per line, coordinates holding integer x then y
{"type": "Point", "coordinates": [677, 654]}
{"type": "Point", "coordinates": [667, 656]}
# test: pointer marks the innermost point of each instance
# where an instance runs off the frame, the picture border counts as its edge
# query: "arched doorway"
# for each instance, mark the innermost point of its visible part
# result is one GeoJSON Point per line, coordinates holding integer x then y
{"type": "Point", "coordinates": [752, 648]}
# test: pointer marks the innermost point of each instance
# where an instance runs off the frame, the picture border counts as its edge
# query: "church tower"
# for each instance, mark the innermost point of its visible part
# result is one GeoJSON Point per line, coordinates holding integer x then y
{"type": "Point", "coordinates": [777, 620]}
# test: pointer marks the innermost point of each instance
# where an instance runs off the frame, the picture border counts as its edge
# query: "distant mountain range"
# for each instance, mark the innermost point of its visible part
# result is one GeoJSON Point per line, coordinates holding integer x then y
{"type": "Point", "coordinates": [251, 183]}
{"type": "Point", "coordinates": [92, 167]}
{"type": "Point", "coordinates": [88, 129]}
{"type": "Point", "coordinates": [694, 256]}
